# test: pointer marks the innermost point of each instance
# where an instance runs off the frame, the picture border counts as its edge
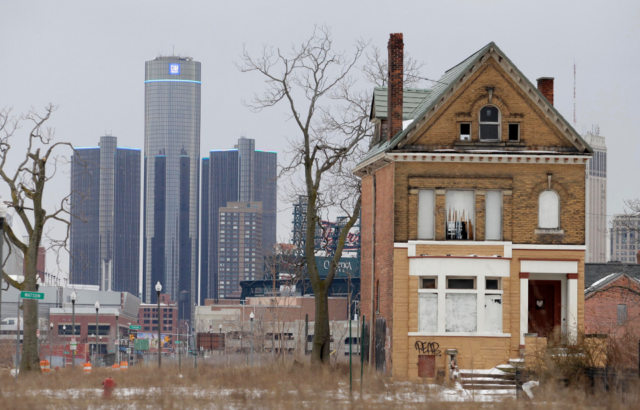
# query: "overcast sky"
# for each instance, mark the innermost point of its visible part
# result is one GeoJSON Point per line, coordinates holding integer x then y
{"type": "Point", "coordinates": [88, 58]}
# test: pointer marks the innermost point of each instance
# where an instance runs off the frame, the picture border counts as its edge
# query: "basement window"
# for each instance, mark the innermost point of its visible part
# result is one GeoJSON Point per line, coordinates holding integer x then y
{"type": "Point", "coordinates": [465, 131]}
{"type": "Point", "coordinates": [489, 123]}
{"type": "Point", "coordinates": [514, 132]}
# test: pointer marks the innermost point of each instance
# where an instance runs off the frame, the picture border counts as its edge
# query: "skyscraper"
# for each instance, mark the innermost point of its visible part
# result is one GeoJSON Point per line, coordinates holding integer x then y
{"type": "Point", "coordinates": [105, 226]}
{"type": "Point", "coordinates": [172, 148]}
{"type": "Point", "coordinates": [242, 174]}
{"type": "Point", "coordinates": [596, 200]}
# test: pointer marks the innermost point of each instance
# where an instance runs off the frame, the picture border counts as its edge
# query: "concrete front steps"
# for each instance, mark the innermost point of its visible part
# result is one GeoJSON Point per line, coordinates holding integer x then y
{"type": "Point", "coordinates": [487, 380]}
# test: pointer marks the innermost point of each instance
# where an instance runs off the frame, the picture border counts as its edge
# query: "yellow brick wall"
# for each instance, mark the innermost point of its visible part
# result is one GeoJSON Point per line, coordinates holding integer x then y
{"type": "Point", "coordinates": [537, 132]}
{"type": "Point", "coordinates": [473, 351]}
{"type": "Point", "coordinates": [521, 184]}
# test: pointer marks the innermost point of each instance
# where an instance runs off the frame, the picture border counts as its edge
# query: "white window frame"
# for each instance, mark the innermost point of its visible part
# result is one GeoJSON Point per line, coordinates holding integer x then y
{"type": "Point", "coordinates": [480, 123]}
{"type": "Point", "coordinates": [421, 230]}
{"type": "Point", "coordinates": [540, 210]}
{"type": "Point", "coordinates": [500, 271]}
{"type": "Point", "coordinates": [519, 129]}
{"type": "Point", "coordinates": [501, 217]}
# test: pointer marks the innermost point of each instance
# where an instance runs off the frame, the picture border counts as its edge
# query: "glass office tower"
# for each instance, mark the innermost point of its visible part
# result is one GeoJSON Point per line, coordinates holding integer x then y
{"type": "Point", "coordinates": [172, 148]}
{"type": "Point", "coordinates": [105, 226]}
{"type": "Point", "coordinates": [242, 174]}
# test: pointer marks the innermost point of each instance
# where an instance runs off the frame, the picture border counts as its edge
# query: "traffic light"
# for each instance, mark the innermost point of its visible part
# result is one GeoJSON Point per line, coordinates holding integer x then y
{"type": "Point", "coordinates": [131, 337]}
{"type": "Point", "coordinates": [166, 339]}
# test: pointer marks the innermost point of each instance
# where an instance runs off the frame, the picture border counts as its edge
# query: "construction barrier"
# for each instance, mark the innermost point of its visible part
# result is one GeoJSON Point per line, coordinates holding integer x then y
{"type": "Point", "coordinates": [115, 367]}
{"type": "Point", "coordinates": [45, 366]}
{"type": "Point", "coordinates": [87, 368]}
{"type": "Point", "coordinates": [124, 366]}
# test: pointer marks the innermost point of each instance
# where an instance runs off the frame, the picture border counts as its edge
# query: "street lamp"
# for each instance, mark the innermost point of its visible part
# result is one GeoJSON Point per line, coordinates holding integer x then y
{"type": "Point", "coordinates": [251, 316]}
{"type": "Point", "coordinates": [117, 338]}
{"type": "Point", "coordinates": [50, 342]}
{"type": "Point", "coordinates": [158, 290]}
{"type": "Point", "coordinates": [64, 358]}
{"type": "Point", "coordinates": [74, 297]}
{"type": "Point", "coordinates": [220, 339]}
{"type": "Point", "coordinates": [3, 215]}
{"type": "Point", "coordinates": [97, 305]}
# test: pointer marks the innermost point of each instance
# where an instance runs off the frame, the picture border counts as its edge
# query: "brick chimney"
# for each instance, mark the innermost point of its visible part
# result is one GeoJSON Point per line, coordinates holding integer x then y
{"type": "Point", "coordinates": [395, 84]}
{"type": "Point", "coordinates": [545, 85]}
{"type": "Point", "coordinates": [638, 257]}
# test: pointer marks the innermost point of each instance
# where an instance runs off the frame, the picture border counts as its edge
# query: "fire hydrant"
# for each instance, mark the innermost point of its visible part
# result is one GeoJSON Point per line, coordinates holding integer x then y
{"type": "Point", "coordinates": [108, 385]}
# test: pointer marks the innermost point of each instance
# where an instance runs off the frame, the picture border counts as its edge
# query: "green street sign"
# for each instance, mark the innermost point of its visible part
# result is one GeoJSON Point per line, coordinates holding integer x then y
{"type": "Point", "coordinates": [141, 344]}
{"type": "Point", "coordinates": [67, 353]}
{"type": "Point", "coordinates": [177, 342]}
{"type": "Point", "coordinates": [32, 295]}
{"type": "Point", "coordinates": [134, 327]}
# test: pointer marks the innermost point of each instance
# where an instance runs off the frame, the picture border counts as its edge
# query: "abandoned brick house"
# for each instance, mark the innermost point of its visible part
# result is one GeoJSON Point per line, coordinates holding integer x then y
{"type": "Point", "coordinates": [612, 305]}
{"type": "Point", "coordinates": [473, 217]}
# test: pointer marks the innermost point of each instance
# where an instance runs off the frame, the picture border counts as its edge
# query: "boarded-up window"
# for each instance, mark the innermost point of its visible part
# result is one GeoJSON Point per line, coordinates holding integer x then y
{"type": "Point", "coordinates": [549, 210]}
{"type": "Point", "coordinates": [493, 204]}
{"type": "Point", "coordinates": [428, 312]}
{"type": "Point", "coordinates": [425, 214]}
{"type": "Point", "coordinates": [622, 314]}
{"type": "Point", "coordinates": [460, 207]}
{"type": "Point", "coordinates": [461, 312]}
{"type": "Point", "coordinates": [493, 313]}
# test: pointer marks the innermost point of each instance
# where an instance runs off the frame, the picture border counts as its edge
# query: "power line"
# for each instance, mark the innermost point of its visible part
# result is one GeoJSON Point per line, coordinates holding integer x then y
{"type": "Point", "coordinates": [428, 79]}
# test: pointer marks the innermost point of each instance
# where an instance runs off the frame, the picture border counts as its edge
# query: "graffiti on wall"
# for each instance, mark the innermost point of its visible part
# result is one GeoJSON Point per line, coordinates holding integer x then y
{"type": "Point", "coordinates": [428, 347]}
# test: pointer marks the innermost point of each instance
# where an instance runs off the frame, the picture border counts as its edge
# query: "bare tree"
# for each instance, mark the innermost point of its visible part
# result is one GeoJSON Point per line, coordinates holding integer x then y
{"type": "Point", "coordinates": [313, 80]}
{"type": "Point", "coordinates": [376, 69]}
{"type": "Point", "coordinates": [37, 165]}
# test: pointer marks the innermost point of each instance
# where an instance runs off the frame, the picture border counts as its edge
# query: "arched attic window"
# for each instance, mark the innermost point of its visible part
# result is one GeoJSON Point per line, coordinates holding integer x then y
{"type": "Point", "coordinates": [549, 210]}
{"type": "Point", "coordinates": [489, 123]}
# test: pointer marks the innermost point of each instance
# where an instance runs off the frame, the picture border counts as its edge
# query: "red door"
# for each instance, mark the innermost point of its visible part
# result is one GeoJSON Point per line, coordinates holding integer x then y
{"type": "Point", "coordinates": [544, 308]}
{"type": "Point", "coordinates": [427, 366]}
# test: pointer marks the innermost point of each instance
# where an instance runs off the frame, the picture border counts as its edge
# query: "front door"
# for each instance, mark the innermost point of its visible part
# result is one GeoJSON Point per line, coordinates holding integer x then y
{"type": "Point", "coordinates": [427, 366]}
{"type": "Point", "coordinates": [545, 308]}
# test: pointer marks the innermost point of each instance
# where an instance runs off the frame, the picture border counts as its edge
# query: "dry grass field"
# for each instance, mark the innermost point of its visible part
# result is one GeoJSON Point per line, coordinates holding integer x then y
{"type": "Point", "coordinates": [273, 386]}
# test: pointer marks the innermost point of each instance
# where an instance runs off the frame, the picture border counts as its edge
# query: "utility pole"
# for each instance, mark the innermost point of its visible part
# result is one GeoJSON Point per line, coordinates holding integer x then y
{"type": "Point", "coordinates": [251, 317]}
{"type": "Point", "coordinates": [74, 296]}
{"type": "Point", "coordinates": [3, 215]}
{"type": "Point", "coordinates": [158, 290]}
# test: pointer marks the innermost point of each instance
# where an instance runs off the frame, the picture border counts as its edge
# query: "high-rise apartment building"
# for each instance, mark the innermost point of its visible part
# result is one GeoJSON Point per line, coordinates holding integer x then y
{"type": "Point", "coordinates": [105, 226]}
{"type": "Point", "coordinates": [240, 254]}
{"type": "Point", "coordinates": [596, 200]}
{"type": "Point", "coordinates": [625, 238]}
{"type": "Point", "coordinates": [172, 148]}
{"type": "Point", "coordinates": [242, 174]}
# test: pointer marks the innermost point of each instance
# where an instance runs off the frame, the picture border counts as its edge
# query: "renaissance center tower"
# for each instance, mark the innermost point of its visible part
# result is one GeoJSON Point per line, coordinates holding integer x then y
{"type": "Point", "coordinates": [171, 172]}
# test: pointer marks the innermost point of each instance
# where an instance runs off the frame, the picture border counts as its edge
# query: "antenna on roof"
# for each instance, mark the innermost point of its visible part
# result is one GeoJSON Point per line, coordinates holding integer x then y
{"type": "Point", "coordinates": [574, 92]}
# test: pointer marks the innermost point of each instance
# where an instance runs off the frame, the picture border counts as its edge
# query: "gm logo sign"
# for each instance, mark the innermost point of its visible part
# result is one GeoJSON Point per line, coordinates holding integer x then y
{"type": "Point", "coordinates": [174, 69]}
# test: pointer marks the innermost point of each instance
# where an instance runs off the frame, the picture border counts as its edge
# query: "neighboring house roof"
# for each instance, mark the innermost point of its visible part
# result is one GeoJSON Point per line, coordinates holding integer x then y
{"type": "Point", "coordinates": [451, 81]}
{"type": "Point", "coordinates": [609, 280]}
{"type": "Point", "coordinates": [594, 272]}
{"type": "Point", "coordinates": [411, 99]}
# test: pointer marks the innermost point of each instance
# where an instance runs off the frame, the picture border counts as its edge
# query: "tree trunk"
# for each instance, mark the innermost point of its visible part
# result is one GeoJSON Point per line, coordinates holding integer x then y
{"type": "Point", "coordinates": [30, 360]}
{"type": "Point", "coordinates": [321, 333]}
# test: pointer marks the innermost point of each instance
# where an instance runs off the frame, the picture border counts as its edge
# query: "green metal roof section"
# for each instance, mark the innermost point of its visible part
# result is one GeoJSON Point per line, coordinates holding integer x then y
{"type": "Point", "coordinates": [442, 86]}
{"type": "Point", "coordinates": [411, 98]}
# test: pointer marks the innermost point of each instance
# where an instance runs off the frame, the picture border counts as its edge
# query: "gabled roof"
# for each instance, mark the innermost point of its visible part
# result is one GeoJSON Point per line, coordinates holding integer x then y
{"type": "Point", "coordinates": [452, 80]}
{"type": "Point", "coordinates": [594, 272]}
{"type": "Point", "coordinates": [411, 99]}
{"type": "Point", "coordinates": [608, 280]}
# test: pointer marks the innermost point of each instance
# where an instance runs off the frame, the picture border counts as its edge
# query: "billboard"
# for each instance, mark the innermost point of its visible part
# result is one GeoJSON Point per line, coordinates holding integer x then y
{"type": "Point", "coordinates": [347, 267]}
{"type": "Point", "coordinates": [153, 339]}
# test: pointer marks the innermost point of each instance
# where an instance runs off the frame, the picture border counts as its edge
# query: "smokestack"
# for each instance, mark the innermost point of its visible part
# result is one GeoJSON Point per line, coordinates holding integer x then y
{"type": "Point", "coordinates": [545, 85]}
{"type": "Point", "coordinates": [394, 89]}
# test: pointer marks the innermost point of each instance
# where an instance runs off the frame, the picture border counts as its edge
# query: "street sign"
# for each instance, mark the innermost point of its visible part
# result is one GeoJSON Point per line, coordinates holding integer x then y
{"type": "Point", "coordinates": [134, 327]}
{"type": "Point", "coordinates": [128, 350]}
{"type": "Point", "coordinates": [38, 333]}
{"type": "Point", "coordinates": [116, 342]}
{"type": "Point", "coordinates": [141, 344]}
{"type": "Point", "coordinates": [73, 346]}
{"type": "Point", "coordinates": [177, 342]}
{"type": "Point", "coordinates": [32, 295]}
{"type": "Point", "coordinates": [67, 353]}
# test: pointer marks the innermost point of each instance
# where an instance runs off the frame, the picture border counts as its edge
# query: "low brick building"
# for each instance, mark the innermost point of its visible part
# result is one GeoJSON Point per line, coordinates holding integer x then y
{"type": "Point", "coordinates": [171, 325]}
{"type": "Point", "coordinates": [473, 217]}
{"type": "Point", "coordinates": [612, 305]}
